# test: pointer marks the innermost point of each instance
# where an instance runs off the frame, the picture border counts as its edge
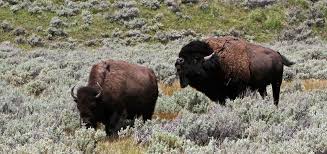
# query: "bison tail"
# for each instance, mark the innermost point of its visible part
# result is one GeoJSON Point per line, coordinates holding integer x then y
{"type": "Point", "coordinates": [286, 61]}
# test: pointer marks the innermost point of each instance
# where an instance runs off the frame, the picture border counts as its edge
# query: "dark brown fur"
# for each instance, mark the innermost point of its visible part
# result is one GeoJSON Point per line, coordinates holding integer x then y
{"type": "Point", "coordinates": [125, 89]}
{"type": "Point", "coordinates": [236, 66]}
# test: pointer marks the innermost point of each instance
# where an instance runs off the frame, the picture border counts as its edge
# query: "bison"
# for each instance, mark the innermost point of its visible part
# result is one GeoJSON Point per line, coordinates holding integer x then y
{"type": "Point", "coordinates": [226, 67]}
{"type": "Point", "coordinates": [115, 90]}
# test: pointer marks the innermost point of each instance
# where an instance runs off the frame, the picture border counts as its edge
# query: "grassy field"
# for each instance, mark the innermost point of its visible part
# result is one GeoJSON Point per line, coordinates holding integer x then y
{"type": "Point", "coordinates": [38, 114]}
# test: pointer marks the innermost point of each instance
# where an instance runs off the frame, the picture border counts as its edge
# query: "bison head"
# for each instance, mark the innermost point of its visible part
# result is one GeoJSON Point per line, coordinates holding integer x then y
{"type": "Point", "coordinates": [194, 61]}
{"type": "Point", "coordinates": [87, 100]}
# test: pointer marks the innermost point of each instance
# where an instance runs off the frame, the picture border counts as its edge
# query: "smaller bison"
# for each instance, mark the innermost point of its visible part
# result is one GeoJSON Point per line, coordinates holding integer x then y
{"type": "Point", "coordinates": [115, 90]}
{"type": "Point", "coordinates": [226, 67]}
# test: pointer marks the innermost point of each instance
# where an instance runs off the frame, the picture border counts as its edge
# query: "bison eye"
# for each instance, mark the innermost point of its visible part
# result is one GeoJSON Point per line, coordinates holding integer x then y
{"type": "Point", "coordinates": [196, 60]}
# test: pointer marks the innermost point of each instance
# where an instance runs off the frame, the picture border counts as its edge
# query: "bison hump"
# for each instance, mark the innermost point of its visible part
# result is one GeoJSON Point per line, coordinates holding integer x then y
{"type": "Point", "coordinates": [233, 55]}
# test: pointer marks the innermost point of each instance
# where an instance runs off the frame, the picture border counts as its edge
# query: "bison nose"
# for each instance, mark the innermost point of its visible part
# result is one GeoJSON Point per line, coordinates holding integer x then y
{"type": "Point", "coordinates": [179, 61]}
{"type": "Point", "coordinates": [88, 125]}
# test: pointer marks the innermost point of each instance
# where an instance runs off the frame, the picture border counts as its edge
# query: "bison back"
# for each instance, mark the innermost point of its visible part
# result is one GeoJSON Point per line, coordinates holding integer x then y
{"type": "Point", "coordinates": [127, 86]}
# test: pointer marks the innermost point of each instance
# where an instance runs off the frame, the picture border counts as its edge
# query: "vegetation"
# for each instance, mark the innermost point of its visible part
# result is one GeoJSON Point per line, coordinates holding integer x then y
{"type": "Point", "coordinates": [47, 47]}
{"type": "Point", "coordinates": [165, 21]}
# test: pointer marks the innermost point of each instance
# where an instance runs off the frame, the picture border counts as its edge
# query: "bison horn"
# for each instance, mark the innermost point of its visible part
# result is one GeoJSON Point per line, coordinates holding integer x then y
{"type": "Point", "coordinates": [180, 61]}
{"type": "Point", "coordinates": [99, 94]}
{"type": "Point", "coordinates": [208, 57]}
{"type": "Point", "coordinates": [72, 93]}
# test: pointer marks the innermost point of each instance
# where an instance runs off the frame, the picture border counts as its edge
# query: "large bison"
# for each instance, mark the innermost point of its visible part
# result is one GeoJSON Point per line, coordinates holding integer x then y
{"type": "Point", "coordinates": [226, 67]}
{"type": "Point", "coordinates": [116, 89]}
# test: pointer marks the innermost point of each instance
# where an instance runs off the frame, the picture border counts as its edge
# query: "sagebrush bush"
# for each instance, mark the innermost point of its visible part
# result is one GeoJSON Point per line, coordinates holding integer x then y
{"type": "Point", "coordinates": [35, 41]}
{"type": "Point", "coordinates": [19, 31]}
{"type": "Point", "coordinates": [6, 26]}
{"type": "Point", "coordinates": [152, 4]}
{"type": "Point", "coordinates": [258, 3]}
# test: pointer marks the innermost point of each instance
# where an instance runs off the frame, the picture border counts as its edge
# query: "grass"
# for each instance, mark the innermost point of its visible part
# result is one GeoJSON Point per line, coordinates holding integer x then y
{"type": "Point", "coordinates": [163, 115]}
{"type": "Point", "coordinates": [30, 22]}
{"type": "Point", "coordinates": [26, 20]}
{"type": "Point", "coordinates": [308, 84]}
{"type": "Point", "coordinates": [218, 16]}
{"type": "Point", "coordinates": [322, 31]}
{"type": "Point", "coordinates": [127, 145]}
{"type": "Point", "coordinates": [94, 31]}
{"type": "Point", "coordinates": [301, 3]}
{"type": "Point", "coordinates": [265, 24]}
{"type": "Point", "coordinates": [169, 89]}
{"type": "Point", "coordinates": [120, 146]}
{"type": "Point", "coordinates": [313, 84]}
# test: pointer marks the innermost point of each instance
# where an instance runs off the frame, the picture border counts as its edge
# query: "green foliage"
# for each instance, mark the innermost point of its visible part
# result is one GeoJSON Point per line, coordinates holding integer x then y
{"type": "Point", "coordinates": [262, 24]}
{"type": "Point", "coordinates": [25, 19]}
{"type": "Point", "coordinates": [302, 3]}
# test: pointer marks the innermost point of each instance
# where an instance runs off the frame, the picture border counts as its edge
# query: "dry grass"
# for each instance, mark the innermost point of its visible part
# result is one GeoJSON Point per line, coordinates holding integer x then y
{"type": "Point", "coordinates": [312, 84]}
{"type": "Point", "coordinates": [163, 115]}
{"type": "Point", "coordinates": [169, 89]}
{"type": "Point", "coordinates": [309, 84]}
{"type": "Point", "coordinates": [127, 145]}
{"type": "Point", "coordinates": [120, 146]}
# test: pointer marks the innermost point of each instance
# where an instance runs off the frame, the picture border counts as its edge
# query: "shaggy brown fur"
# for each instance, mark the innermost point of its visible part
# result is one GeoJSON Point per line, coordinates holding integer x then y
{"type": "Point", "coordinates": [233, 56]}
{"type": "Point", "coordinates": [125, 89]}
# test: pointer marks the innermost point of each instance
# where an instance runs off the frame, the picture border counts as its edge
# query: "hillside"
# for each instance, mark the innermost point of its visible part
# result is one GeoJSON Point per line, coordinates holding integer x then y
{"type": "Point", "coordinates": [47, 23]}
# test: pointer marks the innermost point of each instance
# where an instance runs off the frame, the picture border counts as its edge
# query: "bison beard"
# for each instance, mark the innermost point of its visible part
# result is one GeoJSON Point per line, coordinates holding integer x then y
{"type": "Point", "coordinates": [116, 90]}
{"type": "Point", "coordinates": [226, 67]}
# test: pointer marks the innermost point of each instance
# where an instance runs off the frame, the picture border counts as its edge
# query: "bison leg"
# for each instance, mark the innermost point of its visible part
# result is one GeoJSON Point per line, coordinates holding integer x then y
{"type": "Point", "coordinates": [113, 124]}
{"type": "Point", "coordinates": [147, 115]}
{"type": "Point", "coordinates": [276, 90]}
{"type": "Point", "coordinates": [221, 101]}
{"type": "Point", "coordinates": [263, 92]}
